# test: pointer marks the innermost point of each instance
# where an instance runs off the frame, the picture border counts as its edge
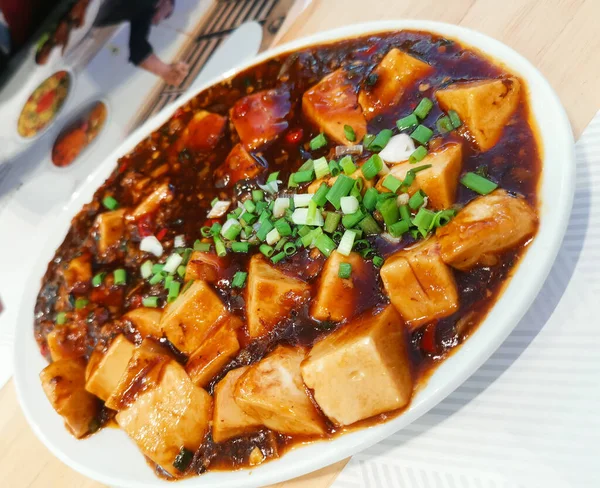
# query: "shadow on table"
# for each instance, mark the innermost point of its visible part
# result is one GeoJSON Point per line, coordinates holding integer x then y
{"type": "Point", "coordinates": [530, 325]}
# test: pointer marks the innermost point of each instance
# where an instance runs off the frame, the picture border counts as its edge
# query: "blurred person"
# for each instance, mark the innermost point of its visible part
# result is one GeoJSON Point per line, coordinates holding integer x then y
{"type": "Point", "coordinates": [141, 15]}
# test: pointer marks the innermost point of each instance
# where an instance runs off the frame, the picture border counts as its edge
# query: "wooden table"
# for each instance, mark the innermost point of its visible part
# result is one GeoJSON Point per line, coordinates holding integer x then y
{"type": "Point", "coordinates": [560, 37]}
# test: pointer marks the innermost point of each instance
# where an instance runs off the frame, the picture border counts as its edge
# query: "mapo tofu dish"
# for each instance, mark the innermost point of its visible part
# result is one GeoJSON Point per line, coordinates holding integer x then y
{"type": "Point", "coordinates": [292, 253]}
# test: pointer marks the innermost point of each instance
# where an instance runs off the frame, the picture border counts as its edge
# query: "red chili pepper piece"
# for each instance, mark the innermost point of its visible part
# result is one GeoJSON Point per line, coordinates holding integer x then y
{"type": "Point", "coordinates": [294, 136]}
{"type": "Point", "coordinates": [428, 344]}
{"type": "Point", "coordinates": [45, 102]}
{"type": "Point", "coordinates": [372, 49]}
{"type": "Point", "coordinates": [161, 234]}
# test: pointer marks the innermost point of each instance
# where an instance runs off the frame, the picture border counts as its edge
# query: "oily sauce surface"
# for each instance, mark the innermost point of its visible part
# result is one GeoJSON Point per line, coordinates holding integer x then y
{"type": "Point", "coordinates": [514, 163]}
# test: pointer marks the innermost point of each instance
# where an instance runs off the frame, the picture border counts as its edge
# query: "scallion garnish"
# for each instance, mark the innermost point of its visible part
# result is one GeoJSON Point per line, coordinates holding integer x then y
{"type": "Point", "coordinates": [110, 203]}
{"type": "Point", "coordinates": [303, 176]}
{"type": "Point", "coordinates": [347, 165]}
{"type": "Point", "coordinates": [378, 261]}
{"type": "Point", "coordinates": [289, 248]}
{"type": "Point", "coordinates": [349, 204]}
{"type": "Point", "coordinates": [424, 107]}
{"type": "Point", "coordinates": [206, 231]}
{"type": "Point", "coordinates": [278, 257]}
{"type": "Point", "coordinates": [392, 183]}
{"type": "Point", "coordinates": [369, 225]}
{"type": "Point", "coordinates": [250, 206]}
{"type": "Point", "coordinates": [150, 302]}
{"type": "Point", "coordinates": [373, 166]}
{"type": "Point", "coordinates": [341, 188]}
{"type": "Point", "coordinates": [258, 195]}
{"type": "Point", "coordinates": [454, 118]}
{"type": "Point", "coordinates": [478, 184]}
{"type": "Point", "coordinates": [181, 271]}
{"type": "Point", "coordinates": [201, 246]}
{"type": "Point", "coordinates": [334, 168]}
{"type": "Point", "coordinates": [405, 213]}
{"type": "Point", "coordinates": [345, 270]}
{"type": "Point", "coordinates": [347, 242]}
{"type": "Point", "coordinates": [423, 220]}
{"type": "Point", "coordinates": [283, 227]}
{"type": "Point", "coordinates": [272, 237]}
{"type": "Point", "coordinates": [321, 168]}
{"type": "Point", "coordinates": [174, 287]}
{"type": "Point", "coordinates": [239, 279]}
{"type": "Point", "coordinates": [320, 197]}
{"type": "Point", "coordinates": [168, 281]}
{"type": "Point", "coordinates": [325, 244]}
{"type": "Point", "coordinates": [349, 133]}
{"type": "Point", "coordinates": [157, 278]}
{"type": "Point", "coordinates": [61, 318]}
{"type": "Point", "coordinates": [318, 142]}
{"type": "Point", "coordinates": [380, 140]}
{"type": "Point", "coordinates": [220, 247]}
{"type": "Point", "coordinates": [399, 228]}
{"type": "Point", "coordinates": [370, 199]}
{"type": "Point", "coordinates": [241, 247]}
{"type": "Point", "coordinates": [351, 220]}
{"type": "Point", "coordinates": [407, 122]}
{"type": "Point", "coordinates": [418, 154]}
{"type": "Point", "coordinates": [120, 276]}
{"type": "Point", "coordinates": [265, 227]}
{"type": "Point", "coordinates": [266, 250]}
{"type": "Point", "coordinates": [444, 124]}
{"type": "Point", "coordinates": [422, 134]}
{"type": "Point", "coordinates": [417, 200]}
{"type": "Point", "coordinates": [332, 221]}
{"type": "Point", "coordinates": [389, 211]}
{"type": "Point", "coordinates": [81, 303]}
{"type": "Point", "coordinates": [273, 177]}
{"type": "Point", "coordinates": [99, 278]}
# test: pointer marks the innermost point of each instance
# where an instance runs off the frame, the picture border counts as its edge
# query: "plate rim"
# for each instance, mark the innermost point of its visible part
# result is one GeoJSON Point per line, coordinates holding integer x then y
{"type": "Point", "coordinates": [467, 359]}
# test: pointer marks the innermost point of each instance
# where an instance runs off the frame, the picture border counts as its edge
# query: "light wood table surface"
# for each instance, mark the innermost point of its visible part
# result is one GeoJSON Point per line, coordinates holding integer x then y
{"type": "Point", "coordinates": [560, 37]}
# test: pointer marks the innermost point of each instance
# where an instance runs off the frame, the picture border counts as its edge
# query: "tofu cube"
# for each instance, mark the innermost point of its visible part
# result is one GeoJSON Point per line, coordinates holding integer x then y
{"type": "Point", "coordinates": [103, 375]}
{"type": "Point", "coordinates": [146, 321]}
{"type": "Point", "coordinates": [333, 103]}
{"type": "Point", "coordinates": [336, 297]}
{"type": "Point", "coordinates": [485, 106]}
{"type": "Point", "coordinates": [203, 131]}
{"type": "Point", "coordinates": [63, 382]}
{"type": "Point", "coordinates": [419, 284]}
{"type": "Point", "coordinates": [396, 73]}
{"type": "Point", "coordinates": [161, 194]}
{"type": "Point", "coordinates": [270, 296]}
{"type": "Point", "coordinates": [67, 342]}
{"type": "Point", "coordinates": [205, 266]}
{"type": "Point", "coordinates": [361, 369]}
{"type": "Point", "coordinates": [485, 228]}
{"type": "Point", "coordinates": [190, 319]}
{"type": "Point", "coordinates": [78, 273]}
{"type": "Point", "coordinates": [169, 415]}
{"type": "Point", "coordinates": [239, 165]}
{"type": "Point", "coordinates": [210, 358]}
{"type": "Point", "coordinates": [229, 420]}
{"type": "Point", "coordinates": [440, 181]}
{"type": "Point", "coordinates": [110, 227]}
{"type": "Point", "coordinates": [272, 391]}
{"type": "Point", "coordinates": [260, 118]}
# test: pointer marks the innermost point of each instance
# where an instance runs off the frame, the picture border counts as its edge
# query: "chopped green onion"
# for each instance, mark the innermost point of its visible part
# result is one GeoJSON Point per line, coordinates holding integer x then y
{"type": "Point", "coordinates": [325, 244]}
{"type": "Point", "coordinates": [146, 269]}
{"type": "Point", "coordinates": [407, 122]}
{"type": "Point", "coordinates": [261, 207]}
{"type": "Point", "coordinates": [215, 229]}
{"type": "Point", "coordinates": [150, 302]}
{"type": "Point", "coordinates": [392, 183]}
{"type": "Point", "coordinates": [266, 250]}
{"type": "Point", "coordinates": [272, 237]}
{"type": "Point", "coordinates": [318, 142]}
{"type": "Point", "coordinates": [405, 213]}
{"type": "Point", "coordinates": [248, 218]}
{"type": "Point", "coordinates": [310, 238]}
{"type": "Point", "coordinates": [242, 247]}
{"type": "Point", "coordinates": [173, 291]}
{"type": "Point", "coordinates": [369, 225]}
{"type": "Point", "coordinates": [187, 252]}
{"type": "Point", "coordinates": [418, 154]}
{"type": "Point", "coordinates": [237, 212]}
{"type": "Point", "coordinates": [181, 271]}
{"type": "Point", "coordinates": [239, 279]}
{"type": "Point", "coordinates": [81, 303]}
{"type": "Point", "coordinates": [373, 166]}
{"type": "Point", "coordinates": [290, 248]}
{"type": "Point", "coordinates": [478, 184]}
{"type": "Point", "coordinates": [302, 231]}
{"type": "Point", "coordinates": [220, 247]}
{"type": "Point", "coordinates": [355, 192]}
{"type": "Point", "coordinates": [264, 229]}
{"type": "Point", "coordinates": [272, 177]}
{"type": "Point", "coordinates": [399, 228]}
{"type": "Point", "coordinates": [321, 168]}
{"type": "Point", "coordinates": [420, 168]}
{"type": "Point", "coordinates": [201, 246]}
{"type": "Point", "coordinates": [206, 231]}
{"type": "Point", "coordinates": [110, 203]}
{"type": "Point", "coordinates": [346, 242]}
{"type": "Point", "coordinates": [424, 107]}
{"type": "Point", "coordinates": [443, 217]}
{"type": "Point", "coordinates": [389, 211]}
{"type": "Point", "coordinates": [349, 133]}
{"type": "Point", "coordinates": [320, 197]}
{"type": "Point", "coordinates": [302, 199]}
{"type": "Point", "coordinates": [337, 236]}
{"type": "Point", "coordinates": [341, 188]}
{"type": "Point", "coordinates": [347, 165]}
{"type": "Point", "coordinates": [454, 118]}
{"type": "Point", "coordinates": [345, 270]}
{"type": "Point", "coordinates": [380, 141]}
{"type": "Point", "coordinates": [422, 134]}
{"type": "Point", "coordinates": [99, 278]}
{"type": "Point", "coordinates": [187, 285]}
{"type": "Point", "coordinates": [303, 176]}
{"type": "Point", "coordinates": [157, 268]}
{"type": "Point", "coordinates": [370, 199]}
{"type": "Point", "coordinates": [283, 227]}
{"type": "Point", "coordinates": [367, 140]}
{"type": "Point", "coordinates": [214, 201]}
{"type": "Point", "coordinates": [408, 179]}
{"type": "Point", "coordinates": [278, 257]}
{"type": "Point", "coordinates": [231, 229]}
{"type": "Point", "coordinates": [280, 243]}
{"type": "Point", "coordinates": [120, 276]}
{"type": "Point", "coordinates": [157, 278]}
{"type": "Point", "coordinates": [334, 168]}
{"type": "Point", "coordinates": [351, 220]}
{"type": "Point", "coordinates": [332, 220]}
{"type": "Point", "coordinates": [417, 200]}
{"type": "Point", "coordinates": [258, 195]}
{"type": "Point", "coordinates": [444, 124]}
{"type": "Point", "coordinates": [423, 220]}
{"type": "Point", "coordinates": [311, 214]}
{"type": "Point", "coordinates": [250, 206]}
{"type": "Point", "coordinates": [349, 204]}
{"type": "Point", "coordinates": [61, 318]}
{"type": "Point", "coordinates": [378, 261]}
{"type": "Point", "coordinates": [167, 282]}
{"type": "Point", "coordinates": [291, 182]}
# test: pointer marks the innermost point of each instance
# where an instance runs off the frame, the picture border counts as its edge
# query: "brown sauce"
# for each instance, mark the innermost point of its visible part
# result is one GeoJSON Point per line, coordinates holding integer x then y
{"type": "Point", "coordinates": [514, 163]}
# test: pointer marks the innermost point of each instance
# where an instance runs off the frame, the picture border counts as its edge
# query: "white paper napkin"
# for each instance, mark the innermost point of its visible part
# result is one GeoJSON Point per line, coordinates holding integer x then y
{"type": "Point", "coordinates": [530, 416]}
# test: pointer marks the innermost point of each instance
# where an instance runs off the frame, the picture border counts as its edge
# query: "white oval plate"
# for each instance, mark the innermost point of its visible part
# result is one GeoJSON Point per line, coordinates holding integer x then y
{"type": "Point", "coordinates": [111, 458]}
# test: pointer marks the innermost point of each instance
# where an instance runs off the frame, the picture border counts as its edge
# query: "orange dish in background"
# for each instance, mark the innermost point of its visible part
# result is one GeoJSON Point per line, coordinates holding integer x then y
{"type": "Point", "coordinates": [44, 104]}
{"type": "Point", "coordinates": [78, 135]}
